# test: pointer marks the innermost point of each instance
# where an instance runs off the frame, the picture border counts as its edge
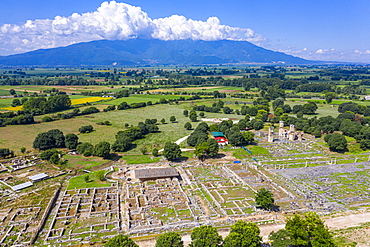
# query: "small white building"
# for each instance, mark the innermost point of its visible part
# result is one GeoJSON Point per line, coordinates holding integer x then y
{"type": "Point", "coordinates": [38, 177]}
{"type": "Point", "coordinates": [21, 186]}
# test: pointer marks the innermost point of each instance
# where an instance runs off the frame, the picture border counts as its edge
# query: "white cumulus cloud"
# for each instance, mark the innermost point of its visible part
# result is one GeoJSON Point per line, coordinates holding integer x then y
{"type": "Point", "coordinates": [113, 21]}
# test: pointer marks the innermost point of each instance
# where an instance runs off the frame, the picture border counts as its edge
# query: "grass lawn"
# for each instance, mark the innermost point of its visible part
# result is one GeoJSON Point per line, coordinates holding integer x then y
{"type": "Point", "coordinates": [67, 89]}
{"type": "Point", "coordinates": [256, 150]}
{"type": "Point", "coordinates": [79, 181]}
{"type": "Point", "coordinates": [140, 159]}
{"type": "Point", "coordinates": [137, 98]}
{"type": "Point", "coordinates": [80, 162]}
{"type": "Point", "coordinates": [17, 136]}
{"type": "Point", "coordinates": [5, 102]}
{"type": "Point", "coordinates": [199, 89]}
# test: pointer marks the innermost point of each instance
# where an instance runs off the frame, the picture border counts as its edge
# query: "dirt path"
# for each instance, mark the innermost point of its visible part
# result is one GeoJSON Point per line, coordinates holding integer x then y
{"type": "Point", "coordinates": [178, 143]}
{"type": "Point", "coordinates": [346, 221]}
{"type": "Point", "coordinates": [340, 222]}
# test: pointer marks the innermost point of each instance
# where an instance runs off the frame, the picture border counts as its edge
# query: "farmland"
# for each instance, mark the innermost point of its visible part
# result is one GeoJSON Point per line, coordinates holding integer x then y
{"type": "Point", "coordinates": [304, 174]}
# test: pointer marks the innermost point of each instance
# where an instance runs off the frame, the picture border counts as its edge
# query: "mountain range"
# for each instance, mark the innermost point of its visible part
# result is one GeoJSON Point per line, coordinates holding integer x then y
{"type": "Point", "coordinates": [151, 52]}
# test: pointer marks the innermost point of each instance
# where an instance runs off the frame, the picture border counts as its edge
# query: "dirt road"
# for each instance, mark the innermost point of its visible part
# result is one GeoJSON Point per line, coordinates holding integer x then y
{"type": "Point", "coordinates": [340, 222]}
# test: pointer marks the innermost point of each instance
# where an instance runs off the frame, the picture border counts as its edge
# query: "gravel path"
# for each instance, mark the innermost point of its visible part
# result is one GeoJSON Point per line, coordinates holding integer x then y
{"type": "Point", "coordinates": [340, 222]}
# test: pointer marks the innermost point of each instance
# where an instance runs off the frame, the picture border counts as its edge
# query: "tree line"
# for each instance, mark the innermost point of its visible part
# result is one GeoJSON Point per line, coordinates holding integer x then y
{"type": "Point", "coordinates": [306, 230]}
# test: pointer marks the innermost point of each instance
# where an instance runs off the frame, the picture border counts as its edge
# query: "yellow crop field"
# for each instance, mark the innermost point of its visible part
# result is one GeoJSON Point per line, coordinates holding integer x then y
{"type": "Point", "coordinates": [17, 108]}
{"type": "Point", "coordinates": [73, 101]}
{"type": "Point", "coordinates": [87, 100]}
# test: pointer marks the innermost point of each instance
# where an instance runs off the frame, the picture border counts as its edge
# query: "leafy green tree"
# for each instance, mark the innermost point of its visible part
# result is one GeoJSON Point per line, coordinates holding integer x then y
{"type": "Point", "coordinates": [297, 108]}
{"type": "Point", "coordinates": [329, 96]}
{"type": "Point", "coordinates": [120, 241]}
{"type": "Point", "coordinates": [71, 141]}
{"type": "Point", "coordinates": [193, 117]}
{"type": "Point", "coordinates": [12, 91]}
{"type": "Point", "coordinates": [248, 136]}
{"type": "Point", "coordinates": [287, 108]}
{"type": "Point", "coordinates": [6, 152]}
{"type": "Point", "coordinates": [203, 127]}
{"type": "Point", "coordinates": [85, 148]}
{"type": "Point", "coordinates": [187, 126]}
{"type": "Point", "coordinates": [243, 234]}
{"type": "Point", "coordinates": [54, 159]}
{"type": "Point", "coordinates": [227, 110]}
{"type": "Point", "coordinates": [309, 230]}
{"type": "Point", "coordinates": [274, 93]}
{"type": "Point", "coordinates": [46, 119]}
{"type": "Point", "coordinates": [262, 115]}
{"type": "Point", "coordinates": [281, 238]}
{"type": "Point", "coordinates": [48, 140]}
{"type": "Point", "coordinates": [143, 150]}
{"type": "Point", "coordinates": [299, 114]}
{"type": "Point", "coordinates": [257, 125]}
{"type": "Point", "coordinates": [201, 150]}
{"type": "Point", "coordinates": [205, 236]}
{"type": "Point", "coordinates": [163, 121]}
{"type": "Point", "coordinates": [214, 128]}
{"type": "Point", "coordinates": [122, 93]}
{"type": "Point", "coordinates": [309, 108]}
{"type": "Point", "coordinates": [102, 149]}
{"type": "Point", "coordinates": [235, 138]}
{"type": "Point", "coordinates": [58, 136]}
{"type": "Point", "coordinates": [172, 119]}
{"type": "Point", "coordinates": [90, 110]}
{"type": "Point", "coordinates": [277, 103]}
{"type": "Point", "coordinates": [186, 113]}
{"type": "Point", "coordinates": [23, 150]}
{"type": "Point", "coordinates": [16, 102]}
{"type": "Point", "coordinates": [122, 143]}
{"type": "Point", "coordinates": [317, 133]}
{"type": "Point", "coordinates": [169, 239]}
{"type": "Point", "coordinates": [46, 155]}
{"type": "Point", "coordinates": [101, 175]}
{"type": "Point", "coordinates": [279, 111]}
{"type": "Point", "coordinates": [336, 142]}
{"type": "Point", "coordinates": [152, 128]}
{"type": "Point", "coordinates": [171, 151]}
{"type": "Point", "coordinates": [252, 111]}
{"type": "Point", "coordinates": [365, 144]}
{"type": "Point", "coordinates": [155, 152]}
{"type": "Point", "coordinates": [220, 104]}
{"type": "Point", "coordinates": [213, 147]}
{"type": "Point", "coordinates": [87, 178]}
{"type": "Point", "coordinates": [196, 138]}
{"type": "Point", "coordinates": [86, 129]}
{"type": "Point", "coordinates": [40, 105]}
{"type": "Point", "coordinates": [264, 198]}
{"type": "Point", "coordinates": [110, 108]}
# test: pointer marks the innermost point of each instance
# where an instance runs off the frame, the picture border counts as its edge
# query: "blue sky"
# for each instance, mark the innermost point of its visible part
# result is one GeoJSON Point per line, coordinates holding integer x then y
{"type": "Point", "coordinates": [337, 30]}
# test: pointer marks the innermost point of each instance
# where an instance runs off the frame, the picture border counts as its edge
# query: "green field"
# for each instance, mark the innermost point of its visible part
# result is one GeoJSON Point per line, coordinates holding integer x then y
{"type": "Point", "coordinates": [145, 98]}
{"type": "Point", "coordinates": [80, 183]}
{"type": "Point", "coordinates": [17, 136]}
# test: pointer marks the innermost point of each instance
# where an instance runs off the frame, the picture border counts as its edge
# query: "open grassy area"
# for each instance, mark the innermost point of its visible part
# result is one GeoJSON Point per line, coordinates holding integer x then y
{"type": "Point", "coordinates": [137, 98]}
{"type": "Point", "coordinates": [140, 159]}
{"type": "Point", "coordinates": [17, 136]}
{"type": "Point", "coordinates": [240, 153]}
{"type": "Point", "coordinates": [199, 89]}
{"type": "Point", "coordinates": [80, 183]}
{"type": "Point", "coordinates": [78, 162]}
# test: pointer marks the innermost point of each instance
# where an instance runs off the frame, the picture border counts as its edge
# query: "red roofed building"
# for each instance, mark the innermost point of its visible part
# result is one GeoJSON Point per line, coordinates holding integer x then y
{"type": "Point", "coordinates": [221, 140]}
